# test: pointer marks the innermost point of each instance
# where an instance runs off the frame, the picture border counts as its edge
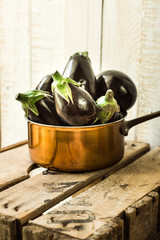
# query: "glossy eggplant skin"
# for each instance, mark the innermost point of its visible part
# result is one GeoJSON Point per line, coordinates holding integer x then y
{"type": "Point", "coordinates": [45, 84]}
{"type": "Point", "coordinates": [125, 91]}
{"type": "Point", "coordinates": [80, 69]}
{"type": "Point", "coordinates": [79, 113]}
{"type": "Point", "coordinates": [116, 116]}
{"type": "Point", "coordinates": [47, 113]}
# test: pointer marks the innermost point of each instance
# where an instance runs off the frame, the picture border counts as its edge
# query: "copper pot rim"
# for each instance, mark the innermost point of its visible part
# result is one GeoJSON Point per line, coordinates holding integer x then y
{"type": "Point", "coordinates": [76, 127]}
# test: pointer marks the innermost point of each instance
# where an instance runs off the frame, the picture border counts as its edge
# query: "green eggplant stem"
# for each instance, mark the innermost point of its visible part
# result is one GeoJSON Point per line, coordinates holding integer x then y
{"type": "Point", "coordinates": [29, 98]}
{"type": "Point", "coordinates": [109, 95]}
{"type": "Point", "coordinates": [84, 54]}
{"type": "Point", "coordinates": [61, 86]}
{"type": "Point", "coordinates": [21, 97]}
{"type": "Point", "coordinates": [57, 77]}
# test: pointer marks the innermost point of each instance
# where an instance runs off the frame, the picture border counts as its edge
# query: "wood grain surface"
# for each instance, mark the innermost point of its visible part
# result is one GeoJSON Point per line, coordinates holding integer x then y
{"type": "Point", "coordinates": [141, 218]}
{"type": "Point", "coordinates": [14, 68]}
{"type": "Point", "coordinates": [132, 45]}
{"type": "Point", "coordinates": [33, 196]}
{"type": "Point", "coordinates": [15, 165]}
{"type": "Point", "coordinates": [82, 216]}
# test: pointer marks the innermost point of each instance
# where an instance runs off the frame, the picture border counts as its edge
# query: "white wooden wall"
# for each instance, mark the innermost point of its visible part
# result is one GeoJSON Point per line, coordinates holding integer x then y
{"type": "Point", "coordinates": [37, 37]}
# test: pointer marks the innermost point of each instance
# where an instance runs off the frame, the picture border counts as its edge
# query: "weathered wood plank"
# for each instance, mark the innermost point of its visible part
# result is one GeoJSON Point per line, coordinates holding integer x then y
{"type": "Point", "coordinates": [30, 198]}
{"type": "Point", "coordinates": [113, 230]}
{"type": "Point", "coordinates": [82, 21]}
{"type": "Point", "coordinates": [158, 224]}
{"type": "Point", "coordinates": [149, 71]}
{"type": "Point", "coordinates": [15, 165]}
{"type": "Point", "coordinates": [107, 199]}
{"type": "Point", "coordinates": [14, 67]}
{"type": "Point", "coordinates": [13, 146]}
{"type": "Point", "coordinates": [141, 218]}
{"type": "Point", "coordinates": [157, 236]}
{"type": "Point", "coordinates": [33, 232]}
{"type": "Point", "coordinates": [131, 43]}
{"type": "Point", "coordinates": [7, 228]}
{"type": "Point", "coordinates": [47, 23]}
{"type": "Point", "coordinates": [121, 42]}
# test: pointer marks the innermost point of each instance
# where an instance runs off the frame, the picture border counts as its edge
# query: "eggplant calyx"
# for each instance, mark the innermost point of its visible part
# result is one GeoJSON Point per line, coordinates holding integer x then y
{"type": "Point", "coordinates": [29, 98]}
{"type": "Point", "coordinates": [109, 96]}
{"type": "Point", "coordinates": [106, 106]}
{"type": "Point", "coordinates": [61, 86]}
{"type": "Point", "coordinates": [83, 54]}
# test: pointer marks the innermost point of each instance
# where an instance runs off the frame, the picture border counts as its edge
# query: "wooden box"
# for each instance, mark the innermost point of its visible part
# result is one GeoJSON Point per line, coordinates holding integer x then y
{"type": "Point", "coordinates": [117, 203]}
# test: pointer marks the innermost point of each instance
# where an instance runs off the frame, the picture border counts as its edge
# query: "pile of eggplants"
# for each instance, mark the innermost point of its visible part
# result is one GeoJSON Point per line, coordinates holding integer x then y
{"type": "Point", "coordinates": [71, 98]}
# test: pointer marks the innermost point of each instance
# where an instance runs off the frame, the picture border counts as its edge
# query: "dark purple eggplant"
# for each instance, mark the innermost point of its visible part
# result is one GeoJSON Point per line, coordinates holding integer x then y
{"type": "Point", "coordinates": [116, 116]}
{"type": "Point", "coordinates": [81, 112]}
{"type": "Point", "coordinates": [39, 107]}
{"type": "Point", "coordinates": [80, 69]}
{"type": "Point", "coordinates": [125, 91]}
{"type": "Point", "coordinates": [45, 84]}
{"type": "Point", "coordinates": [73, 104]}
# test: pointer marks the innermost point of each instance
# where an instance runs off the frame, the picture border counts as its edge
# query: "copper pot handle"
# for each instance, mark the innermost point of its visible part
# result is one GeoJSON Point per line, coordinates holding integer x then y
{"type": "Point", "coordinates": [131, 123]}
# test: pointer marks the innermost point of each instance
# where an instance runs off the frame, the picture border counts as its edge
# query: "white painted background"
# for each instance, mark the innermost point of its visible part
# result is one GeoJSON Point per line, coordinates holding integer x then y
{"type": "Point", "coordinates": [37, 37]}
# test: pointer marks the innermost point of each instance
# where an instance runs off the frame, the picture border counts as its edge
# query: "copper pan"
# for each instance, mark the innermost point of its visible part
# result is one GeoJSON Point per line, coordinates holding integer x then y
{"type": "Point", "coordinates": [79, 149]}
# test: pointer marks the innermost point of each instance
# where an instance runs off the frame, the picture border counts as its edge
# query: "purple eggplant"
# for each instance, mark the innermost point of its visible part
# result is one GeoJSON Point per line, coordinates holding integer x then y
{"type": "Point", "coordinates": [45, 84]}
{"type": "Point", "coordinates": [74, 105]}
{"type": "Point", "coordinates": [39, 107]}
{"type": "Point", "coordinates": [80, 69]}
{"type": "Point", "coordinates": [125, 91]}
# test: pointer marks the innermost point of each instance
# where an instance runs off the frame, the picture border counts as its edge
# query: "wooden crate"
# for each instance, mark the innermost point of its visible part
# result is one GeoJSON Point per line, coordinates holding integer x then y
{"type": "Point", "coordinates": [112, 203]}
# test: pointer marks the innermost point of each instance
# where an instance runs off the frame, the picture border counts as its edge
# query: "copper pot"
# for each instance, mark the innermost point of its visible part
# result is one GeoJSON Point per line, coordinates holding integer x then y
{"type": "Point", "coordinates": [79, 149]}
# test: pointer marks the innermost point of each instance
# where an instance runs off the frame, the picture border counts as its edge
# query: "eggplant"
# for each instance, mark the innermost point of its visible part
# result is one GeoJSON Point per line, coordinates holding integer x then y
{"type": "Point", "coordinates": [80, 69]}
{"type": "Point", "coordinates": [39, 106]}
{"type": "Point", "coordinates": [116, 116]}
{"type": "Point", "coordinates": [45, 84]}
{"type": "Point", "coordinates": [125, 91]}
{"type": "Point", "coordinates": [74, 105]}
{"type": "Point", "coordinates": [79, 113]}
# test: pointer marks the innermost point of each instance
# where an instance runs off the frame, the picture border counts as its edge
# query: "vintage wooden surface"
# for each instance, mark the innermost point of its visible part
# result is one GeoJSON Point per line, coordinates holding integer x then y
{"type": "Point", "coordinates": [131, 44]}
{"type": "Point", "coordinates": [7, 228]}
{"type": "Point", "coordinates": [113, 230]}
{"type": "Point", "coordinates": [141, 218]}
{"type": "Point", "coordinates": [14, 67]}
{"type": "Point", "coordinates": [38, 37]}
{"type": "Point", "coordinates": [31, 197]}
{"type": "Point", "coordinates": [15, 165]}
{"type": "Point", "coordinates": [149, 69]}
{"type": "Point", "coordinates": [14, 145]}
{"type": "Point", "coordinates": [157, 236]}
{"type": "Point", "coordinates": [83, 215]}
{"type": "Point", "coordinates": [139, 221]}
